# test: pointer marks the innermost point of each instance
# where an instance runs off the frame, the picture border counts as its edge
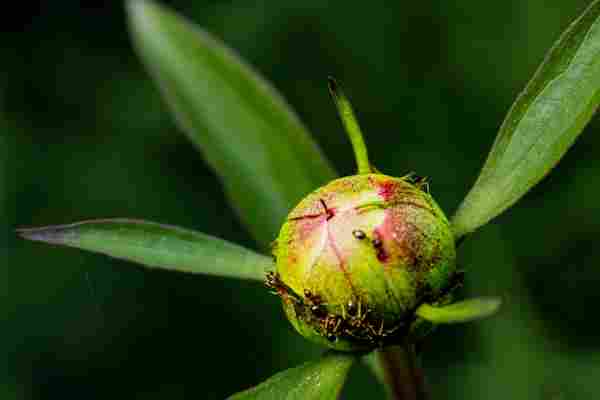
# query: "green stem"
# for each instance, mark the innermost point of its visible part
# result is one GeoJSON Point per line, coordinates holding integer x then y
{"type": "Point", "coordinates": [403, 377]}
{"type": "Point", "coordinates": [352, 127]}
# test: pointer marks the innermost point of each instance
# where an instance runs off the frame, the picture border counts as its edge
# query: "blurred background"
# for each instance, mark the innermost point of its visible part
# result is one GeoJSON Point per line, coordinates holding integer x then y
{"type": "Point", "coordinates": [84, 134]}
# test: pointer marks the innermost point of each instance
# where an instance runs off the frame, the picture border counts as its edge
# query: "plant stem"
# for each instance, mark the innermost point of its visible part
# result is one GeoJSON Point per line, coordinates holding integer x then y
{"type": "Point", "coordinates": [352, 127]}
{"type": "Point", "coordinates": [403, 377]}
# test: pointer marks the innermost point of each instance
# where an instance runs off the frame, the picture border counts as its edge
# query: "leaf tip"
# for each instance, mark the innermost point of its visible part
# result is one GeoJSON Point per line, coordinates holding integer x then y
{"type": "Point", "coordinates": [484, 307]}
{"type": "Point", "coordinates": [140, 11]}
{"type": "Point", "coordinates": [462, 311]}
{"type": "Point", "coordinates": [333, 86]}
{"type": "Point", "coordinates": [493, 304]}
{"type": "Point", "coordinates": [47, 234]}
{"type": "Point", "coordinates": [134, 7]}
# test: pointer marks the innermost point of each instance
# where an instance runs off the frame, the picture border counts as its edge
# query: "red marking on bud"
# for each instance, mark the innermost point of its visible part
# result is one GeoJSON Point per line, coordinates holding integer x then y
{"type": "Point", "coordinates": [306, 216]}
{"type": "Point", "coordinates": [386, 190]}
{"type": "Point", "coordinates": [307, 227]}
{"type": "Point", "coordinates": [330, 212]}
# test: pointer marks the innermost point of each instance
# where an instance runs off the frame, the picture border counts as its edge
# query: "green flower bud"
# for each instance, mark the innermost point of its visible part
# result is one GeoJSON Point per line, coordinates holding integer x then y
{"type": "Point", "coordinates": [357, 256]}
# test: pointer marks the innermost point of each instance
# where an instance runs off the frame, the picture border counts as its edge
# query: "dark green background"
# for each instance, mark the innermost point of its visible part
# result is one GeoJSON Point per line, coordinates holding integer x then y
{"type": "Point", "coordinates": [84, 134]}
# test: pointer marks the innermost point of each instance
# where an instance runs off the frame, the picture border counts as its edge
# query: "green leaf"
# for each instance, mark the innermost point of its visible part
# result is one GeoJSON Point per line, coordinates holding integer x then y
{"type": "Point", "coordinates": [157, 245]}
{"type": "Point", "coordinates": [462, 311]}
{"type": "Point", "coordinates": [541, 125]}
{"type": "Point", "coordinates": [319, 380]}
{"type": "Point", "coordinates": [248, 134]}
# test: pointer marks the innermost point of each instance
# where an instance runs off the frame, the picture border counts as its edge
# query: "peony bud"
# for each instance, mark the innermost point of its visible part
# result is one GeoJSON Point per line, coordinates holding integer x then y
{"type": "Point", "coordinates": [357, 256]}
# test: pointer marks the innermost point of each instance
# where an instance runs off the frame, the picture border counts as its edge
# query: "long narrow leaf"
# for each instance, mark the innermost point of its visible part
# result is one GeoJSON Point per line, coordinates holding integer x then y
{"type": "Point", "coordinates": [542, 124]}
{"type": "Point", "coordinates": [157, 245]}
{"type": "Point", "coordinates": [264, 156]}
{"type": "Point", "coordinates": [315, 380]}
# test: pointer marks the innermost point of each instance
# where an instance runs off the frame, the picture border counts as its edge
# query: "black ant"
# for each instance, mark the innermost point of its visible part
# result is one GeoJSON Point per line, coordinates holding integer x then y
{"type": "Point", "coordinates": [360, 235]}
{"type": "Point", "coordinates": [274, 283]}
{"type": "Point", "coordinates": [315, 303]}
{"type": "Point", "coordinates": [331, 324]}
{"type": "Point", "coordinates": [419, 181]}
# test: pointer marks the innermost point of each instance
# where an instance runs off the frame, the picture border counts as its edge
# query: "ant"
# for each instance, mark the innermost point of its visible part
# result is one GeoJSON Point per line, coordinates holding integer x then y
{"type": "Point", "coordinates": [419, 181]}
{"type": "Point", "coordinates": [358, 234]}
{"type": "Point", "coordinates": [315, 303]}
{"type": "Point", "coordinates": [331, 325]}
{"type": "Point", "coordinates": [274, 283]}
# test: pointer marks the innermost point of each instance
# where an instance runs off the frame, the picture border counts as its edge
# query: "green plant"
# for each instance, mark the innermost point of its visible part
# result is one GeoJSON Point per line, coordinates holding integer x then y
{"type": "Point", "coordinates": [274, 164]}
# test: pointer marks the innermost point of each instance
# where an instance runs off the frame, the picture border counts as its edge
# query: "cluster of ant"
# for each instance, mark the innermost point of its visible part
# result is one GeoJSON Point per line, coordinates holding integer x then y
{"type": "Point", "coordinates": [355, 322]}
{"type": "Point", "coordinates": [376, 242]}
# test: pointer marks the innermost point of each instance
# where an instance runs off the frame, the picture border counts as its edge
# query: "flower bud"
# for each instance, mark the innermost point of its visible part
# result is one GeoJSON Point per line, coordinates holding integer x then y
{"type": "Point", "coordinates": [357, 256]}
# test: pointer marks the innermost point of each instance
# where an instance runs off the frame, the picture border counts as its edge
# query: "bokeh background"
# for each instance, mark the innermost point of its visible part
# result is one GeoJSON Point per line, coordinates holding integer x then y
{"type": "Point", "coordinates": [84, 134]}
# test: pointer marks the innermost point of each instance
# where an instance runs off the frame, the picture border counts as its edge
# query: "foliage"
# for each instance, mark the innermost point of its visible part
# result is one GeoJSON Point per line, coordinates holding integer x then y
{"type": "Point", "coordinates": [264, 156]}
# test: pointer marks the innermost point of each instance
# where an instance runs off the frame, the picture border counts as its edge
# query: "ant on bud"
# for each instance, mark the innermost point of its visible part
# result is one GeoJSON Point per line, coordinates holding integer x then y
{"type": "Point", "coordinates": [315, 303]}
{"type": "Point", "coordinates": [360, 235]}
